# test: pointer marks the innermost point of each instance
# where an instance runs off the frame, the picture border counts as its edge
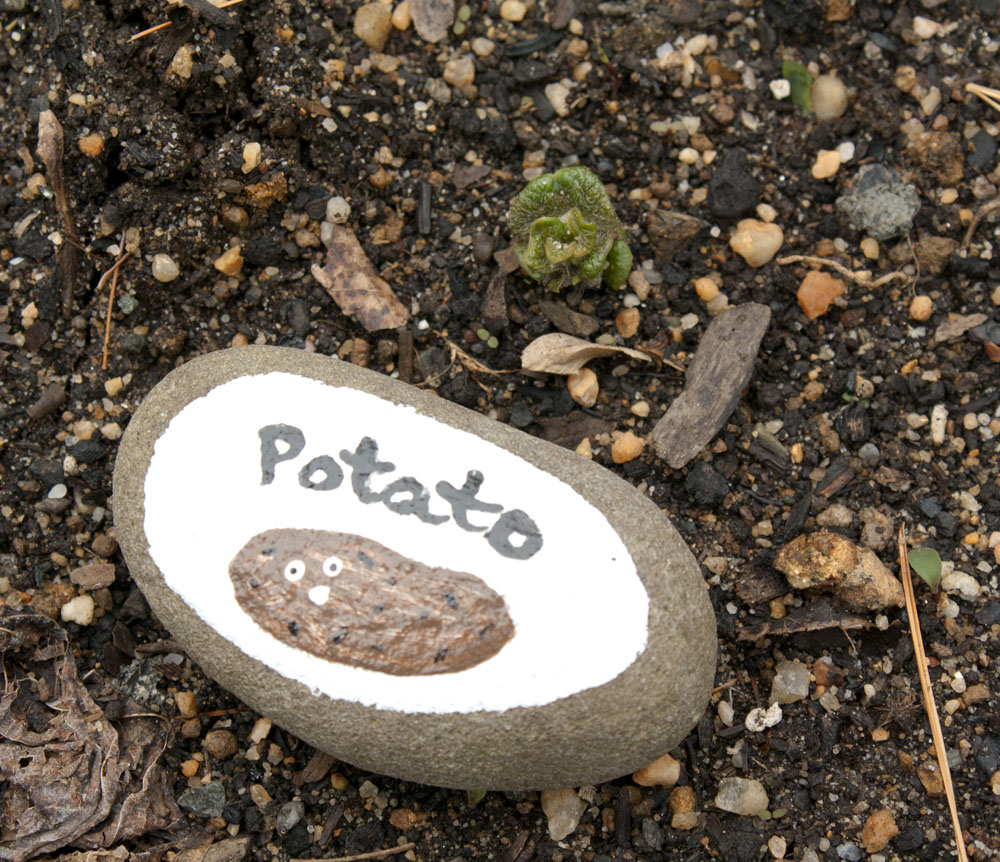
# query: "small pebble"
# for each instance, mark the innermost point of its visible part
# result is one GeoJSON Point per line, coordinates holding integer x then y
{"type": "Point", "coordinates": [459, 72]}
{"type": "Point", "coordinates": [826, 165]}
{"type": "Point", "coordinates": [483, 47]}
{"type": "Point", "coordinates": [558, 95]}
{"type": "Point", "coordinates": [660, 773]}
{"type": "Point", "coordinates": [79, 610]}
{"type": "Point", "coordinates": [113, 386]}
{"type": "Point", "coordinates": [91, 145]}
{"type": "Point", "coordinates": [187, 705]}
{"type": "Point", "coordinates": [221, 744]}
{"type": "Point", "coordinates": [230, 262]}
{"type": "Point", "coordinates": [756, 242]}
{"type": "Point", "coordinates": [921, 307]}
{"type": "Point", "coordinates": [261, 798]}
{"type": "Point", "coordinates": [182, 63]}
{"type": "Point", "coordinates": [583, 387]}
{"type": "Point", "coordinates": [706, 288]}
{"type": "Point", "coordinates": [781, 88]}
{"type": "Point", "coordinates": [164, 268]}
{"type": "Point", "coordinates": [513, 10]}
{"type": "Point", "coordinates": [726, 713]}
{"type": "Point", "coordinates": [925, 28]}
{"type": "Point", "coordinates": [869, 247]}
{"type": "Point", "coordinates": [777, 846]}
{"type": "Point", "coordinates": [401, 18]}
{"type": "Point", "coordinates": [189, 768]}
{"type": "Point", "coordinates": [640, 409]}
{"type": "Point", "coordinates": [338, 210]}
{"type": "Point", "coordinates": [626, 447]}
{"type": "Point", "coordinates": [627, 322]}
{"type": "Point", "coordinates": [745, 796]}
{"type": "Point", "coordinates": [251, 157]}
{"type": "Point", "coordinates": [817, 292]}
{"type": "Point", "coordinates": [829, 97]}
{"type": "Point", "coordinates": [373, 24]}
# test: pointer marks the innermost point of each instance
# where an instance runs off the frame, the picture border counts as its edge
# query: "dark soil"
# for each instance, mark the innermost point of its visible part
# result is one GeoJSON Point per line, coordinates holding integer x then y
{"type": "Point", "coordinates": [291, 75]}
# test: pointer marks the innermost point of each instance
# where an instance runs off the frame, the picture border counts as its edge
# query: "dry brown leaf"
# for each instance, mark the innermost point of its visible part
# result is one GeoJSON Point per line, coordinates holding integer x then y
{"type": "Point", "coordinates": [69, 776]}
{"type": "Point", "coordinates": [355, 286]}
{"type": "Point", "coordinates": [558, 353]}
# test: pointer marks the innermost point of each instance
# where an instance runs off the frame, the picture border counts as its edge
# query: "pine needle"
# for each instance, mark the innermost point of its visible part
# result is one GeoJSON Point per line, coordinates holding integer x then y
{"type": "Point", "coordinates": [113, 274]}
{"type": "Point", "coordinates": [925, 686]}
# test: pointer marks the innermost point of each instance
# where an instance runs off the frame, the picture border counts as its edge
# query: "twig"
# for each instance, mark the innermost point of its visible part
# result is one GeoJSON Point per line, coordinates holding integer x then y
{"type": "Point", "coordinates": [374, 854]}
{"type": "Point", "coordinates": [166, 24]}
{"type": "Point", "coordinates": [50, 150]}
{"type": "Point", "coordinates": [113, 272]}
{"type": "Point", "coordinates": [861, 277]}
{"type": "Point", "coordinates": [925, 686]}
{"type": "Point", "coordinates": [984, 210]}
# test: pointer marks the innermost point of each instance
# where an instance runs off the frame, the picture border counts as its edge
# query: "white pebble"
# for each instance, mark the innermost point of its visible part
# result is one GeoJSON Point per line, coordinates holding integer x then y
{"type": "Point", "coordinates": [829, 97]}
{"type": "Point", "coordinates": [558, 94]}
{"type": "Point", "coordinates": [781, 88]}
{"type": "Point", "coordinates": [57, 492]}
{"type": "Point", "coordinates": [925, 28]}
{"type": "Point", "coordinates": [338, 210]}
{"type": "Point", "coordinates": [939, 423]}
{"type": "Point", "coordinates": [164, 268]}
{"type": "Point", "coordinates": [79, 610]}
{"type": "Point", "coordinates": [759, 719]}
{"type": "Point", "coordinates": [961, 583]}
{"type": "Point", "coordinates": [846, 150]}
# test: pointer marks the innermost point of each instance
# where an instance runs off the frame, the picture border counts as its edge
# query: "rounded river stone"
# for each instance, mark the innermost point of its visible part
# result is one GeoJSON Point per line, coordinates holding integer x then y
{"type": "Point", "coordinates": [412, 587]}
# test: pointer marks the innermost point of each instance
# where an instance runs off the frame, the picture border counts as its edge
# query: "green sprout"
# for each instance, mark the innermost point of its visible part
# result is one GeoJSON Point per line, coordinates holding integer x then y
{"type": "Point", "coordinates": [926, 562]}
{"type": "Point", "coordinates": [484, 335]}
{"type": "Point", "coordinates": [566, 232]}
{"type": "Point", "coordinates": [800, 79]}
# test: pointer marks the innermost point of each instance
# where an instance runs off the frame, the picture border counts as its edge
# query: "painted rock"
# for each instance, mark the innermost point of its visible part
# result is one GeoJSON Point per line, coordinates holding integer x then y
{"type": "Point", "coordinates": [405, 584]}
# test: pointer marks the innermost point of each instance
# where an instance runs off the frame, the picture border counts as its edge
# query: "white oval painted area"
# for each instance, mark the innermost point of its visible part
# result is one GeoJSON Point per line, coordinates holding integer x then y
{"type": "Point", "coordinates": [578, 607]}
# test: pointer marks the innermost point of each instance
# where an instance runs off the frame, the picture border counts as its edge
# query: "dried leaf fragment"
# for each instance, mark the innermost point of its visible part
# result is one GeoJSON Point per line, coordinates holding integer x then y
{"type": "Point", "coordinates": [355, 286]}
{"type": "Point", "coordinates": [558, 353]}
{"type": "Point", "coordinates": [69, 776]}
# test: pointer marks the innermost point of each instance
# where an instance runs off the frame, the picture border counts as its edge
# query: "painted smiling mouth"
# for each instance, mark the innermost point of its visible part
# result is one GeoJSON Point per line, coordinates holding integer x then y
{"type": "Point", "coordinates": [350, 599]}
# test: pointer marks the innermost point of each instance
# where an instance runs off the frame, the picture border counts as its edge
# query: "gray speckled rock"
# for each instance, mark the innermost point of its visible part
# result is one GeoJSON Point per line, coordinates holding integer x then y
{"type": "Point", "coordinates": [412, 587]}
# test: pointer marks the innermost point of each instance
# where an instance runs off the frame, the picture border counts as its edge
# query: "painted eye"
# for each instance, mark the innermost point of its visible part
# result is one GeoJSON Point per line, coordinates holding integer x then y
{"type": "Point", "coordinates": [295, 570]}
{"type": "Point", "coordinates": [332, 566]}
{"type": "Point", "coordinates": [319, 595]}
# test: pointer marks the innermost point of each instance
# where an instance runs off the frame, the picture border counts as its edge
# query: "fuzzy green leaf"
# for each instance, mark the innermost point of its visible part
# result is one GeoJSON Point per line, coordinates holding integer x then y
{"type": "Point", "coordinates": [800, 79]}
{"type": "Point", "coordinates": [566, 231]}
{"type": "Point", "coordinates": [926, 562]}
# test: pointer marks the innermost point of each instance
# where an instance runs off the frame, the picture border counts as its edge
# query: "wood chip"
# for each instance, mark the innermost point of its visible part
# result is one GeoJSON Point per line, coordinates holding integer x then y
{"type": "Point", "coordinates": [715, 381]}
{"type": "Point", "coordinates": [356, 287]}
{"type": "Point", "coordinates": [558, 353]}
{"type": "Point", "coordinates": [814, 617]}
{"type": "Point", "coordinates": [957, 327]}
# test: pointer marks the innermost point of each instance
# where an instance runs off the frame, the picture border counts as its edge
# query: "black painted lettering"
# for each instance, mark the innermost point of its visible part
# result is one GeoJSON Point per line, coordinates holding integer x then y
{"type": "Point", "coordinates": [269, 435]}
{"type": "Point", "coordinates": [509, 525]}
{"type": "Point", "coordinates": [463, 500]}
{"type": "Point", "coordinates": [333, 475]}
{"type": "Point", "coordinates": [416, 500]}
{"type": "Point", "coordinates": [364, 463]}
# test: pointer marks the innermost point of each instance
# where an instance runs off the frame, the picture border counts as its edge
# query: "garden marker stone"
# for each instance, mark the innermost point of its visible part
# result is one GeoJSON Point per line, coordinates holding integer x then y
{"type": "Point", "coordinates": [412, 587]}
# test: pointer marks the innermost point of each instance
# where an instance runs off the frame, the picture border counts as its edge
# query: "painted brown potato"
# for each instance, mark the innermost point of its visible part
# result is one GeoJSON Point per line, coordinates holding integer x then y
{"type": "Point", "coordinates": [349, 599]}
